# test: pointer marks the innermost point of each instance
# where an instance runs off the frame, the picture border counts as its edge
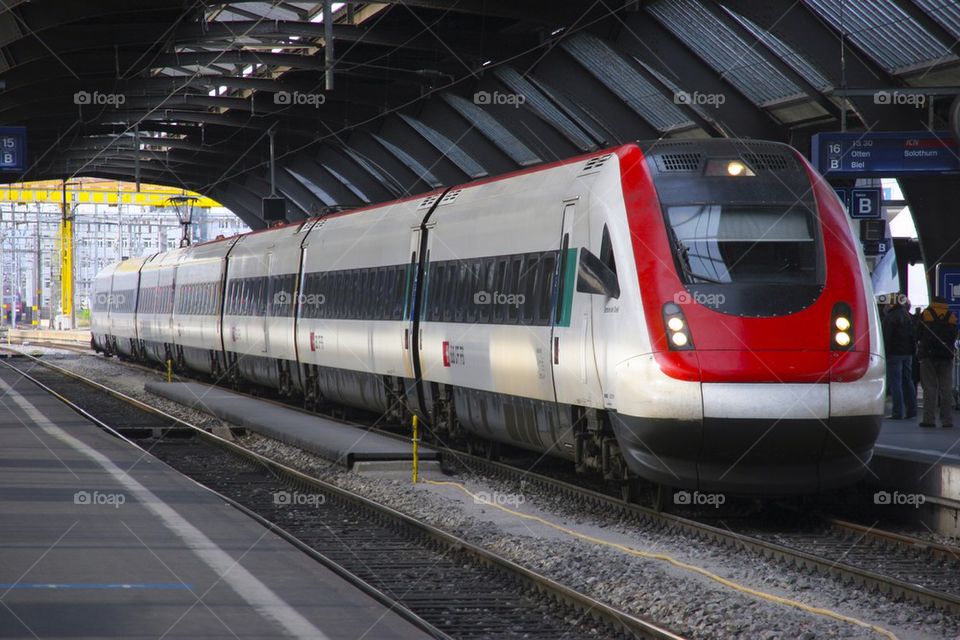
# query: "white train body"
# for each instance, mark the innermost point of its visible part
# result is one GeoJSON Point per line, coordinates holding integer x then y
{"type": "Point", "coordinates": [537, 310]}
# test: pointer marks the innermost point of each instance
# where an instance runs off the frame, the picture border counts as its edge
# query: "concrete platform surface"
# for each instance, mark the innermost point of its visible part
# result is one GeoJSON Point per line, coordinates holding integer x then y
{"type": "Point", "coordinates": [903, 438]}
{"type": "Point", "coordinates": [99, 540]}
{"type": "Point", "coordinates": [327, 438]}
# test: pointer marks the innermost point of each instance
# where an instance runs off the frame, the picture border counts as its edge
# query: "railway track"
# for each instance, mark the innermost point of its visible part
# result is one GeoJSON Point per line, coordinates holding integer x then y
{"type": "Point", "coordinates": [895, 564]}
{"type": "Point", "coordinates": [450, 587]}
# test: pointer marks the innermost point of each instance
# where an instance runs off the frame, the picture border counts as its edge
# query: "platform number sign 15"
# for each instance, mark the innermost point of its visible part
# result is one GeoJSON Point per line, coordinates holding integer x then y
{"type": "Point", "coordinates": [12, 148]}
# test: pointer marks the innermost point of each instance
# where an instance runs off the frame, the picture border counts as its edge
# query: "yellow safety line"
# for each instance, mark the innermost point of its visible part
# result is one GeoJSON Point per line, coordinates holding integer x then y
{"type": "Point", "coordinates": [678, 563]}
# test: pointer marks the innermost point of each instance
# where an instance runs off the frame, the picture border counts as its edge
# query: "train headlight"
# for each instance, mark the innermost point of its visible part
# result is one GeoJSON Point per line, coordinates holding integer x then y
{"type": "Point", "coordinates": [841, 327]}
{"type": "Point", "coordinates": [678, 334]}
{"type": "Point", "coordinates": [730, 168]}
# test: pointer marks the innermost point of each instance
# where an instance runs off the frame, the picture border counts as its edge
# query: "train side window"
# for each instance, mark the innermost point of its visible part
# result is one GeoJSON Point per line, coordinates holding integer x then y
{"type": "Point", "coordinates": [497, 314]}
{"type": "Point", "coordinates": [231, 296]}
{"type": "Point", "coordinates": [528, 287]}
{"type": "Point", "coordinates": [262, 291]}
{"type": "Point", "coordinates": [487, 275]}
{"type": "Point", "coordinates": [364, 293]}
{"type": "Point", "coordinates": [435, 277]}
{"type": "Point", "coordinates": [343, 310]}
{"type": "Point", "coordinates": [449, 291]}
{"type": "Point", "coordinates": [383, 305]}
{"type": "Point", "coordinates": [361, 293]}
{"type": "Point", "coordinates": [471, 285]}
{"type": "Point", "coordinates": [371, 298]}
{"type": "Point", "coordinates": [243, 304]}
{"type": "Point", "coordinates": [399, 273]}
{"type": "Point", "coordinates": [347, 285]}
{"type": "Point", "coordinates": [336, 289]}
{"type": "Point", "coordinates": [308, 288]}
{"type": "Point", "coordinates": [515, 289]}
{"type": "Point", "coordinates": [320, 287]}
{"type": "Point", "coordinates": [460, 290]}
{"type": "Point", "coordinates": [338, 286]}
{"type": "Point", "coordinates": [348, 293]}
{"type": "Point", "coordinates": [290, 287]}
{"type": "Point", "coordinates": [326, 286]}
{"type": "Point", "coordinates": [272, 290]}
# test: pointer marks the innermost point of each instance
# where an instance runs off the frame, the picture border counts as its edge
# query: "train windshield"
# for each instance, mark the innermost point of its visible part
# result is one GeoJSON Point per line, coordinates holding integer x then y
{"type": "Point", "coordinates": [725, 244]}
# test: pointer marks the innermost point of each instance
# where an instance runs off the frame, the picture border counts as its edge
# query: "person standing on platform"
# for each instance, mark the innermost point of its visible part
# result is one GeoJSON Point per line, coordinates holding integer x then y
{"type": "Point", "coordinates": [937, 346]}
{"type": "Point", "coordinates": [900, 345]}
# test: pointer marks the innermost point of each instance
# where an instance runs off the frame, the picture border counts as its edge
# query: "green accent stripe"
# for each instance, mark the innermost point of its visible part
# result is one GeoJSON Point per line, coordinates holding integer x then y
{"type": "Point", "coordinates": [569, 285]}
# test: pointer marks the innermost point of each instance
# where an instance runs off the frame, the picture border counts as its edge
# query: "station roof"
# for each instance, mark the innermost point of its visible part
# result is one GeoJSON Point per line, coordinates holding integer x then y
{"type": "Point", "coordinates": [433, 92]}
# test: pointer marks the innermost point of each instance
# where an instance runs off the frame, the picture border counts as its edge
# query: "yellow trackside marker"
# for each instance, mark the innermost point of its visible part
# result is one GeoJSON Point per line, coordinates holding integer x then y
{"type": "Point", "coordinates": [416, 453]}
{"type": "Point", "coordinates": [169, 370]}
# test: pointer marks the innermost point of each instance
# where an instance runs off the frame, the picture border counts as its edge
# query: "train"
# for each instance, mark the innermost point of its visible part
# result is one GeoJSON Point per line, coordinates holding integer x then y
{"type": "Point", "coordinates": [694, 313]}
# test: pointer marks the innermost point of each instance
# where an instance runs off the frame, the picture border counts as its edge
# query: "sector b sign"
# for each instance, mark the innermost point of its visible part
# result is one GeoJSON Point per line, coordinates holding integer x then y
{"type": "Point", "coordinates": [863, 203]}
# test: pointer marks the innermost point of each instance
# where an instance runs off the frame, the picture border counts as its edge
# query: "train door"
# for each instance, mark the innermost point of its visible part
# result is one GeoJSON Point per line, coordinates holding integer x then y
{"type": "Point", "coordinates": [575, 377]}
{"type": "Point", "coordinates": [418, 277]}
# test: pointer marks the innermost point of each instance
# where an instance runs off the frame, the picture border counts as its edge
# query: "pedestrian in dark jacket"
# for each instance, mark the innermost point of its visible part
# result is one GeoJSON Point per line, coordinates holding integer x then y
{"type": "Point", "coordinates": [937, 333]}
{"type": "Point", "coordinates": [899, 343]}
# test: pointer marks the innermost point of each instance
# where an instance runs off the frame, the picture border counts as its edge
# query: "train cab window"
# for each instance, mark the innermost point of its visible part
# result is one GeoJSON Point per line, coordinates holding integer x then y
{"type": "Point", "coordinates": [724, 244]}
{"type": "Point", "coordinates": [606, 251]}
{"type": "Point", "coordinates": [546, 275]}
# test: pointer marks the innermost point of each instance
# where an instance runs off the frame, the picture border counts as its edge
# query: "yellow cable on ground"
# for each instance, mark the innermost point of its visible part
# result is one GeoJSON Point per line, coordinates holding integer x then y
{"type": "Point", "coordinates": [829, 613]}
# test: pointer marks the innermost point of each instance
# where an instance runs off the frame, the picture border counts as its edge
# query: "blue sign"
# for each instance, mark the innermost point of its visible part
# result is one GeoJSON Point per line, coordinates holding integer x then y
{"type": "Point", "coordinates": [948, 285]}
{"type": "Point", "coordinates": [13, 148]}
{"type": "Point", "coordinates": [844, 194]}
{"type": "Point", "coordinates": [873, 155]}
{"type": "Point", "coordinates": [865, 203]}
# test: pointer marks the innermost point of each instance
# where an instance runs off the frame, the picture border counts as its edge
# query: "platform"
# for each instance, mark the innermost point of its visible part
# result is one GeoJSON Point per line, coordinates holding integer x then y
{"type": "Point", "coordinates": [911, 460]}
{"type": "Point", "coordinates": [326, 438]}
{"type": "Point", "coordinates": [100, 540]}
